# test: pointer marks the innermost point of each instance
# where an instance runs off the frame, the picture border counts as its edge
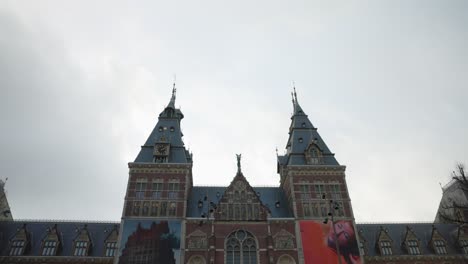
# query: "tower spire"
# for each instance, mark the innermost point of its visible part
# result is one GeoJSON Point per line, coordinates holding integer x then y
{"type": "Point", "coordinates": [173, 97]}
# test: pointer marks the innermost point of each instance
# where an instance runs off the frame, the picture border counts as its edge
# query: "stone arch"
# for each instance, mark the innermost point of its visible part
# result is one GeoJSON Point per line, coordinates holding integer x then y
{"type": "Point", "coordinates": [286, 259]}
{"type": "Point", "coordinates": [197, 259]}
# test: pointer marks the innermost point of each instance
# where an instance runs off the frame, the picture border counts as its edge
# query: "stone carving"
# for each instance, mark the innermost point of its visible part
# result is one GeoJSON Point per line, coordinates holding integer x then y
{"type": "Point", "coordinates": [197, 240]}
{"type": "Point", "coordinates": [238, 162]}
{"type": "Point", "coordinates": [284, 240]}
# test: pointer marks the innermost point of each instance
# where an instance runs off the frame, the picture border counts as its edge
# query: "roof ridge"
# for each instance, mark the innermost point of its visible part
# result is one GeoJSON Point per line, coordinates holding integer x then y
{"type": "Point", "coordinates": [397, 223]}
{"type": "Point", "coordinates": [61, 221]}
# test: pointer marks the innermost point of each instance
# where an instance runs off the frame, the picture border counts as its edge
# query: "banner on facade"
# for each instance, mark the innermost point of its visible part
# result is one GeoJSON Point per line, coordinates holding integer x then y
{"type": "Point", "coordinates": [319, 242]}
{"type": "Point", "coordinates": [150, 241]}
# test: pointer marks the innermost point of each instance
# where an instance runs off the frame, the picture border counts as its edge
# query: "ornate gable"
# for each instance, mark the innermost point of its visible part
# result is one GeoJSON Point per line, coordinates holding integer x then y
{"type": "Point", "coordinates": [313, 153]}
{"type": "Point", "coordinates": [384, 242]}
{"type": "Point", "coordinates": [240, 202]}
{"type": "Point", "coordinates": [82, 242]}
{"type": "Point", "coordinates": [411, 243]}
{"type": "Point", "coordinates": [51, 242]}
{"type": "Point", "coordinates": [438, 243]}
{"type": "Point", "coordinates": [19, 244]}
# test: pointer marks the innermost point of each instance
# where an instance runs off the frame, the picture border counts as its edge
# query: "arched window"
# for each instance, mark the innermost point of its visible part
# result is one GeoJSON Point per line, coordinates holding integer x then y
{"type": "Point", "coordinates": [241, 248]}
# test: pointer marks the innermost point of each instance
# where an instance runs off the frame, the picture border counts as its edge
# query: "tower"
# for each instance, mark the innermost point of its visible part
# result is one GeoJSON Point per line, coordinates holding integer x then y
{"type": "Point", "coordinates": [159, 181]}
{"type": "Point", "coordinates": [315, 186]}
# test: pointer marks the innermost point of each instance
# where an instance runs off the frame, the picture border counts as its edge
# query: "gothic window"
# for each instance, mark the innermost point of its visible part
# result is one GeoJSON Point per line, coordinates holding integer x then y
{"type": "Point", "coordinates": [17, 247]}
{"type": "Point", "coordinates": [440, 247]}
{"type": "Point", "coordinates": [81, 248]}
{"type": "Point", "coordinates": [157, 190]}
{"type": "Point", "coordinates": [413, 247]}
{"type": "Point", "coordinates": [49, 248]}
{"type": "Point", "coordinates": [111, 249]}
{"type": "Point", "coordinates": [241, 248]}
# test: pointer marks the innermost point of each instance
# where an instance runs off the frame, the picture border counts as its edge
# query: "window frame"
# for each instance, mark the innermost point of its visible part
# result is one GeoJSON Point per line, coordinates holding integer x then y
{"type": "Point", "coordinates": [48, 249]}
{"type": "Point", "coordinates": [385, 247]}
{"type": "Point", "coordinates": [17, 247]}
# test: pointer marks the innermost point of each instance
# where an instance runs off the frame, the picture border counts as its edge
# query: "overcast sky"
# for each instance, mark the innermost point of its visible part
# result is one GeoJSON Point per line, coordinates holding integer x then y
{"type": "Point", "coordinates": [82, 84]}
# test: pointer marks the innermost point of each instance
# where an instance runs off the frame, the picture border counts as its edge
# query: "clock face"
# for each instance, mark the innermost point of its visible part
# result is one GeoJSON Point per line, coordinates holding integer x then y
{"type": "Point", "coordinates": [161, 149]}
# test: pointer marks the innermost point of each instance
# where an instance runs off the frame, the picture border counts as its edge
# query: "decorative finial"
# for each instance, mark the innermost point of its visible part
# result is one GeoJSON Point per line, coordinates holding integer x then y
{"type": "Point", "coordinates": [238, 162]}
{"type": "Point", "coordinates": [276, 151]}
{"type": "Point", "coordinates": [295, 95]}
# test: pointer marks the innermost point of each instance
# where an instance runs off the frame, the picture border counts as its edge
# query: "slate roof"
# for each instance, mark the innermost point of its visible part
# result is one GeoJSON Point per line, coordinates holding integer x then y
{"type": "Point", "coordinates": [67, 231]}
{"type": "Point", "coordinates": [397, 232]}
{"type": "Point", "coordinates": [167, 130]}
{"type": "Point", "coordinates": [268, 196]}
{"type": "Point", "coordinates": [301, 133]}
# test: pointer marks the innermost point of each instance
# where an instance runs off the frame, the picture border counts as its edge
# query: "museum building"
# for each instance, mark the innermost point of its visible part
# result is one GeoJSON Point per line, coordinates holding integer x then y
{"type": "Point", "coordinates": [308, 218]}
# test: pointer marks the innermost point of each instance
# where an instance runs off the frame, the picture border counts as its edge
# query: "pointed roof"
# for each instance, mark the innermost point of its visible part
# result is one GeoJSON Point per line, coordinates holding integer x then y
{"type": "Point", "coordinates": [167, 131]}
{"type": "Point", "coordinates": [302, 137]}
{"type": "Point", "coordinates": [241, 193]}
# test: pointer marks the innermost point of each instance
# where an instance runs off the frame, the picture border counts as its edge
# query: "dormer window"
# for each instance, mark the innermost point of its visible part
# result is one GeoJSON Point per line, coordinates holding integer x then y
{"type": "Point", "coordinates": [82, 242]}
{"type": "Point", "coordinates": [385, 248]}
{"type": "Point", "coordinates": [81, 248]}
{"type": "Point", "coordinates": [303, 124]}
{"type": "Point", "coordinates": [111, 248]}
{"type": "Point", "coordinates": [49, 248]}
{"type": "Point", "coordinates": [19, 242]}
{"type": "Point", "coordinates": [17, 247]}
{"type": "Point", "coordinates": [439, 247]}
{"type": "Point", "coordinates": [50, 243]}
{"type": "Point", "coordinates": [464, 246]}
{"type": "Point", "coordinates": [160, 129]}
{"type": "Point", "coordinates": [300, 140]}
{"type": "Point", "coordinates": [413, 247]}
{"type": "Point", "coordinates": [110, 244]}
{"type": "Point", "coordinates": [172, 129]}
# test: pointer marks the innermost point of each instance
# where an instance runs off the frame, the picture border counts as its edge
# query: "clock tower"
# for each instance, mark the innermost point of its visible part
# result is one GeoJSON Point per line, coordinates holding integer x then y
{"type": "Point", "coordinates": [159, 182]}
